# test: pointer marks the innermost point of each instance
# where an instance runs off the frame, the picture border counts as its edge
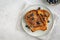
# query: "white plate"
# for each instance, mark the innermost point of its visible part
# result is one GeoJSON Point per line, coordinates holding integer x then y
{"type": "Point", "coordinates": [37, 33]}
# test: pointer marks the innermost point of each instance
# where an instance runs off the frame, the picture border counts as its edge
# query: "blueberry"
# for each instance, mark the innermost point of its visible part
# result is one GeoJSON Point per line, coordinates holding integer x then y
{"type": "Point", "coordinates": [38, 22]}
{"type": "Point", "coordinates": [48, 21]}
{"type": "Point", "coordinates": [45, 15]}
{"type": "Point", "coordinates": [32, 18]}
{"type": "Point", "coordinates": [28, 16]}
{"type": "Point", "coordinates": [32, 14]}
{"type": "Point", "coordinates": [26, 25]}
{"type": "Point", "coordinates": [41, 15]}
{"type": "Point", "coordinates": [43, 18]}
{"type": "Point", "coordinates": [38, 8]}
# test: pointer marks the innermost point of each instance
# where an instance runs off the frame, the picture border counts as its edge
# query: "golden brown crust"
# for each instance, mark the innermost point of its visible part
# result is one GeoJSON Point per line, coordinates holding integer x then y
{"type": "Point", "coordinates": [37, 19]}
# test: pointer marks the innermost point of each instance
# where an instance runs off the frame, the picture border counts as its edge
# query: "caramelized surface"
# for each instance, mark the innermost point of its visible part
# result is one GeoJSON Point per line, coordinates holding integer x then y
{"type": "Point", "coordinates": [37, 19]}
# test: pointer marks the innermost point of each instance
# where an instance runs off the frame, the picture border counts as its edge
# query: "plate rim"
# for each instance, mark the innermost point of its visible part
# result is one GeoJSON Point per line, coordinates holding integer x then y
{"type": "Point", "coordinates": [38, 5]}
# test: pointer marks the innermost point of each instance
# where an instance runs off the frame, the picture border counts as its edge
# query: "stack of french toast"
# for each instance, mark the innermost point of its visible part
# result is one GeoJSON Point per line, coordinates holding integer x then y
{"type": "Point", "coordinates": [37, 19]}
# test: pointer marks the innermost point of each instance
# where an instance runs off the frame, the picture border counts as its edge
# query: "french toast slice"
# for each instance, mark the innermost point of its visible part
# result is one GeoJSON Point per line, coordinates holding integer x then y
{"type": "Point", "coordinates": [37, 20]}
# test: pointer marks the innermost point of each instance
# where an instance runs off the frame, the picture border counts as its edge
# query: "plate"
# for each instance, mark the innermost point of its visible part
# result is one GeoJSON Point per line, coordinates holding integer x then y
{"type": "Point", "coordinates": [39, 32]}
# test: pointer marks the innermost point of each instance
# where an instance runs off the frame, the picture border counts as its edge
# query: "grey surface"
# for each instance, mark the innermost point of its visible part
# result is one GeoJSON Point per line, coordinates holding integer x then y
{"type": "Point", "coordinates": [9, 16]}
